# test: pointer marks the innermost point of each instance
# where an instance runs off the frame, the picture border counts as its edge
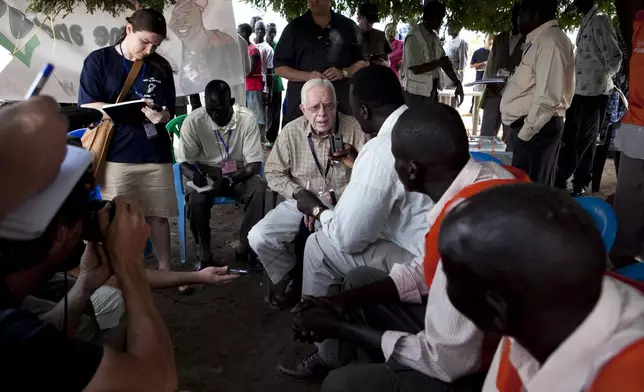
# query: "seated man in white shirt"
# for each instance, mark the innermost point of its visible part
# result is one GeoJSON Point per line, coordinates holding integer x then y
{"type": "Point", "coordinates": [424, 332]}
{"type": "Point", "coordinates": [538, 93]}
{"type": "Point", "coordinates": [376, 223]}
{"type": "Point", "coordinates": [568, 325]}
{"type": "Point", "coordinates": [220, 145]}
{"type": "Point", "coordinates": [300, 161]}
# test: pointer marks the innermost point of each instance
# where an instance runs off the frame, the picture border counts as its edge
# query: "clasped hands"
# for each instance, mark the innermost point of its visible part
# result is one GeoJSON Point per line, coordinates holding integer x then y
{"type": "Point", "coordinates": [333, 74]}
{"type": "Point", "coordinates": [318, 318]}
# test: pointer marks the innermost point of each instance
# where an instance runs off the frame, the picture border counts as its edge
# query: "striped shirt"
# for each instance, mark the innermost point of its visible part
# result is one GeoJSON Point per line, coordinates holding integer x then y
{"type": "Point", "coordinates": [450, 346]}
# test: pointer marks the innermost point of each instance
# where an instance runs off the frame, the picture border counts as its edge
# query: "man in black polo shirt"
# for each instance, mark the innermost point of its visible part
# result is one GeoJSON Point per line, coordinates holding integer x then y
{"type": "Point", "coordinates": [319, 44]}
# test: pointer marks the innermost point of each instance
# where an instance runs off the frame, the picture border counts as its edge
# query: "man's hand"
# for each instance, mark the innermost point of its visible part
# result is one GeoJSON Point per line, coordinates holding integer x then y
{"type": "Point", "coordinates": [315, 75]}
{"type": "Point", "coordinates": [333, 74]}
{"type": "Point", "coordinates": [94, 267]}
{"type": "Point", "coordinates": [459, 94]}
{"type": "Point", "coordinates": [266, 99]}
{"type": "Point", "coordinates": [307, 201]}
{"type": "Point", "coordinates": [347, 156]}
{"type": "Point", "coordinates": [444, 62]}
{"type": "Point", "coordinates": [199, 179]}
{"type": "Point", "coordinates": [316, 321]}
{"type": "Point", "coordinates": [126, 236]}
{"type": "Point", "coordinates": [216, 275]}
{"type": "Point", "coordinates": [309, 222]}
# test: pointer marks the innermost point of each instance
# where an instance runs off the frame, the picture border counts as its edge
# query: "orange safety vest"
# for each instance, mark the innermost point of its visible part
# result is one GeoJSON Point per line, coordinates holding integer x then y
{"type": "Point", "coordinates": [432, 257]}
{"type": "Point", "coordinates": [635, 114]}
{"type": "Point", "coordinates": [623, 373]}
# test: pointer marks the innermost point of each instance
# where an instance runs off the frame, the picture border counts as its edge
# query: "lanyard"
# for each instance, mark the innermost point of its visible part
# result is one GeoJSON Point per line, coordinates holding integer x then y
{"type": "Point", "coordinates": [136, 91]}
{"type": "Point", "coordinates": [226, 145]}
{"type": "Point", "coordinates": [317, 161]}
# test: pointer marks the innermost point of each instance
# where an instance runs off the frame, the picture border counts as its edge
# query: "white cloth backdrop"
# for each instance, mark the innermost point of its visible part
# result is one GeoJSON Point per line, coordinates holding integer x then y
{"type": "Point", "coordinates": [202, 46]}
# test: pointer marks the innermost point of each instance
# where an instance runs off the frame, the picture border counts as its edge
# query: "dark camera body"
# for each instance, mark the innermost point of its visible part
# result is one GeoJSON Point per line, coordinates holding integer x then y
{"type": "Point", "coordinates": [91, 227]}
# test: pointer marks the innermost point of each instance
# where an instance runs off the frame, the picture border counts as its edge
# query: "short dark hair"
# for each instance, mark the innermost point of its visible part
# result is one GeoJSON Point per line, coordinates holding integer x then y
{"type": "Point", "coordinates": [432, 134]}
{"type": "Point", "coordinates": [385, 92]}
{"type": "Point", "coordinates": [369, 11]}
{"type": "Point", "coordinates": [434, 8]}
{"type": "Point", "coordinates": [529, 241]}
{"type": "Point", "coordinates": [217, 87]}
{"type": "Point", "coordinates": [246, 28]}
{"type": "Point", "coordinates": [547, 9]}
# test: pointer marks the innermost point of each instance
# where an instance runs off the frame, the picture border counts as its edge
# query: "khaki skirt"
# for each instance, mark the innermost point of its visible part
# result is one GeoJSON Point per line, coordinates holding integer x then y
{"type": "Point", "coordinates": [151, 184]}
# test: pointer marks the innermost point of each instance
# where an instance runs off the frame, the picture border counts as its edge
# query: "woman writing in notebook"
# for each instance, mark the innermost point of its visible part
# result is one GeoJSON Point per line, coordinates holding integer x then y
{"type": "Point", "coordinates": [139, 157]}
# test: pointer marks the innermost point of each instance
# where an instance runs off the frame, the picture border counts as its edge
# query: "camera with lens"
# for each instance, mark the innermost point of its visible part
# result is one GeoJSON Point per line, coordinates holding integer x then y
{"type": "Point", "coordinates": [91, 226]}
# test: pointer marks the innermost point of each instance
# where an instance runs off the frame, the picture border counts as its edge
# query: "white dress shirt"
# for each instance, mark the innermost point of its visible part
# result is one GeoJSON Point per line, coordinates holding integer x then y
{"type": "Point", "coordinates": [375, 204]}
{"type": "Point", "coordinates": [616, 322]}
{"type": "Point", "coordinates": [200, 143]}
{"type": "Point", "coordinates": [598, 56]}
{"type": "Point", "coordinates": [450, 346]}
{"type": "Point", "coordinates": [543, 85]}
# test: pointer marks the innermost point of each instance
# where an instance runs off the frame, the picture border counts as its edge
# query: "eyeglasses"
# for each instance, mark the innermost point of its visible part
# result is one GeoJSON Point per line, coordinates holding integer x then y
{"type": "Point", "coordinates": [327, 107]}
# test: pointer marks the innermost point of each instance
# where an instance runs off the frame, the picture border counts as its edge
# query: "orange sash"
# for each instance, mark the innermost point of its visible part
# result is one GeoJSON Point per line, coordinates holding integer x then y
{"type": "Point", "coordinates": [432, 257]}
{"type": "Point", "coordinates": [635, 114]}
{"type": "Point", "coordinates": [622, 373]}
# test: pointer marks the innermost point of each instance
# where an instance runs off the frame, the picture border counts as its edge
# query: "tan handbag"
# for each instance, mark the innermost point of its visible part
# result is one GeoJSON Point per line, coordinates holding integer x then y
{"type": "Point", "coordinates": [97, 139]}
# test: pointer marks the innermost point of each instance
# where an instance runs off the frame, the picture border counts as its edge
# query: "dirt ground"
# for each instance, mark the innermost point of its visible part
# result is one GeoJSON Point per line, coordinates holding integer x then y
{"type": "Point", "coordinates": [227, 338]}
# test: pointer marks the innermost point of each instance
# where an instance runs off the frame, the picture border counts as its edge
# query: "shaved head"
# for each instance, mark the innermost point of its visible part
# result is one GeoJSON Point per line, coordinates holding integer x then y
{"type": "Point", "coordinates": [514, 251]}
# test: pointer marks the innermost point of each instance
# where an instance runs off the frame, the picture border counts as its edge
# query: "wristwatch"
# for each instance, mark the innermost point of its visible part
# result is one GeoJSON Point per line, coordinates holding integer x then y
{"type": "Point", "coordinates": [345, 74]}
{"type": "Point", "coordinates": [317, 211]}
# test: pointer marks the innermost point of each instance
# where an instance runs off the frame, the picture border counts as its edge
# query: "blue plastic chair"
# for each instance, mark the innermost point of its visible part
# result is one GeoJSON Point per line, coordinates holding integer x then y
{"type": "Point", "coordinates": [181, 204]}
{"type": "Point", "coordinates": [96, 193]}
{"type": "Point", "coordinates": [603, 216]}
{"type": "Point", "coordinates": [483, 157]}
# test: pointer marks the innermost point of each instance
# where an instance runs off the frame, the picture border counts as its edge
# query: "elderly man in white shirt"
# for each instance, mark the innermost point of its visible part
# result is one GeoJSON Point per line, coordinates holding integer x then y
{"type": "Point", "coordinates": [220, 152]}
{"type": "Point", "coordinates": [539, 92]}
{"type": "Point", "coordinates": [598, 59]}
{"type": "Point", "coordinates": [376, 222]}
{"type": "Point", "coordinates": [406, 318]}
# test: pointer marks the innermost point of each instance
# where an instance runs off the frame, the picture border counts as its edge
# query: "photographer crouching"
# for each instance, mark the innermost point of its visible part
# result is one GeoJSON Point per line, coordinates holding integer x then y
{"type": "Point", "coordinates": [36, 239]}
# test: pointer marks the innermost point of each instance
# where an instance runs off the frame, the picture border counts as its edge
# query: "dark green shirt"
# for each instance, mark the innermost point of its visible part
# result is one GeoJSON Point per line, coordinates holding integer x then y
{"type": "Point", "coordinates": [278, 87]}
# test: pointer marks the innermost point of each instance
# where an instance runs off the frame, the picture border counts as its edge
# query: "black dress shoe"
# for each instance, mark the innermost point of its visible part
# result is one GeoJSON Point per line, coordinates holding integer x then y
{"type": "Point", "coordinates": [249, 259]}
{"type": "Point", "coordinates": [578, 191]}
{"type": "Point", "coordinates": [308, 369]}
{"type": "Point", "coordinates": [287, 298]}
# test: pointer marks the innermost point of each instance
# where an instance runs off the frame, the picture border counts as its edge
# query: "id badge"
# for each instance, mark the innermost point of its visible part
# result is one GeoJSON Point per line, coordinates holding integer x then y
{"type": "Point", "coordinates": [150, 130]}
{"type": "Point", "coordinates": [229, 167]}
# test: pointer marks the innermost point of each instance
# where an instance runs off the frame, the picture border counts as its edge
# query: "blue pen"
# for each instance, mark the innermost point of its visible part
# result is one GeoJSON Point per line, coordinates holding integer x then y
{"type": "Point", "coordinates": [40, 81]}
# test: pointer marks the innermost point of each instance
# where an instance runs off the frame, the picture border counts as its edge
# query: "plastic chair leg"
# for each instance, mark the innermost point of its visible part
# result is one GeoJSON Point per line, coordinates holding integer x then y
{"type": "Point", "coordinates": [181, 228]}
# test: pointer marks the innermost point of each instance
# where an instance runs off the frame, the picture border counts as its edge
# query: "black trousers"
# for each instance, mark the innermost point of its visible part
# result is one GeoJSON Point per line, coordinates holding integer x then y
{"type": "Point", "coordinates": [579, 140]}
{"type": "Point", "coordinates": [251, 194]}
{"type": "Point", "coordinates": [538, 157]}
{"type": "Point", "coordinates": [274, 113]}
{"type": "Point", "coordinates": [390, 376]}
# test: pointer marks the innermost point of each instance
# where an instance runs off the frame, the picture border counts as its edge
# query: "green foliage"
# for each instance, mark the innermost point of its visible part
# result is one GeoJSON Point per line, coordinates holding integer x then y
{"type": "Point", "coordinates": [114, 7]}
{"type": "Point", "coordinates": [490, 16]}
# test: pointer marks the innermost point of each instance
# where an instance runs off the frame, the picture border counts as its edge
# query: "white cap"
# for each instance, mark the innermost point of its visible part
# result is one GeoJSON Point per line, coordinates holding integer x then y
{"type": "Point", "coordinates": [30, 220]}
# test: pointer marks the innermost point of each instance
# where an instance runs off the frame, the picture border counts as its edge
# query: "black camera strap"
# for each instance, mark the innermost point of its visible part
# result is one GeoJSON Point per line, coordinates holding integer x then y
{"type": "Point", "coordinates": [324, 172]}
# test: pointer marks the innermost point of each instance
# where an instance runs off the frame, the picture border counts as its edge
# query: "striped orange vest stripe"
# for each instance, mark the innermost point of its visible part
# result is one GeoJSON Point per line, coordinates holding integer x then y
{"type": "Point", "coordinates": [432, 257]}
{"type": "Point", "coordinates": [623, 373]}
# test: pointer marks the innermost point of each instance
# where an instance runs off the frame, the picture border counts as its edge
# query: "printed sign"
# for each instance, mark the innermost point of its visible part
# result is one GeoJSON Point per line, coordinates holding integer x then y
{"type": "Point", "coordinates": [202, 45]}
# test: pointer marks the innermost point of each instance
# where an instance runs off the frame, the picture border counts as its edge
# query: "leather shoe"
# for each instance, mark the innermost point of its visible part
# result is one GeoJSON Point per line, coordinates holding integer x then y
{"type": "Point", "coordinates": [578, 191]}
{"type": "Point", "coordinates": [210, 262]}
{"type": "Point", "coordinates": [308, 369]}
{"type": "Point", "coordinates": [287, 298]}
